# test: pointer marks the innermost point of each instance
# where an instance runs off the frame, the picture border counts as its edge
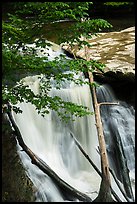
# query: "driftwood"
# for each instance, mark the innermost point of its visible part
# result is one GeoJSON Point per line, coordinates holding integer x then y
{"type": "Point", "coordinates": [105, 187]}
{"type": "Point", "coordinates": [97, 170]}
{"type": "Point", "coordinates": [68, 190]}
{"type": "Point", "coordinates": [104, 194]}
{"type": "Point", "coordinates": [104, 160]}
{"type": "Point", "coordinates": [86, 155]}
{"type": "Point", "coordinates": [118, 184]}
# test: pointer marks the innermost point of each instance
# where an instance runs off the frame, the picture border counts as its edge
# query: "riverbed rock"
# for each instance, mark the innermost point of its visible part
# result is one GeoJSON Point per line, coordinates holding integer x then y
{"type": "Point", "coordinates": [115, 49]}
{"type": "Point", "coordinates": [16, 186]}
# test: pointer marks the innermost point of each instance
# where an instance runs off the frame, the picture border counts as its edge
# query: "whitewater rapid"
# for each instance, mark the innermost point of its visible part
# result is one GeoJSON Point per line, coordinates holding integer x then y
{"type": "Point", "coordinates": [50, 139]}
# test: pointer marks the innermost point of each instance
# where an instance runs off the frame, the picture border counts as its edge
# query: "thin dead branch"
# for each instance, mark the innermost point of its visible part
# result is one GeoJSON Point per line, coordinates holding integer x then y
{"type": "Point", "coordinates": [65, 187]}
{"type": "Point", "coordinates": [94, 166]}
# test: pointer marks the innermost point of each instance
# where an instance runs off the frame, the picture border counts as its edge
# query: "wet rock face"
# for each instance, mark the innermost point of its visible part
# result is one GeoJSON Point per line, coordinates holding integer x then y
{"type": "Point", "coordinates": [115, 49]}
{"type": "Point", "coordinates": [16, 186]}
{"type": "Point", "coordinates": [123, 84]}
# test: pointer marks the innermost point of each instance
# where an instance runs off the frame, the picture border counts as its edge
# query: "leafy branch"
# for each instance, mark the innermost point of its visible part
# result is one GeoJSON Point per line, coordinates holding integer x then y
{"type": "Point", "coordinates": [20, 54]}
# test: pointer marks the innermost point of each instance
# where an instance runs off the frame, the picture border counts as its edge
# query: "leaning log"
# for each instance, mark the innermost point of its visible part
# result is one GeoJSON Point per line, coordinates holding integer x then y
{"type": "Point", "coordinates": [105, 187]}
{"type": "Point", "coordinates": [99, 172]}
{"type": "Point", "coordinates": [69, 191]}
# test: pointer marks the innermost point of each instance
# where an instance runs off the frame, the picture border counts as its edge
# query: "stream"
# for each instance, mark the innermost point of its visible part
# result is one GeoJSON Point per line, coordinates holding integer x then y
{"type": "Point", "coordinates": [49, 138]}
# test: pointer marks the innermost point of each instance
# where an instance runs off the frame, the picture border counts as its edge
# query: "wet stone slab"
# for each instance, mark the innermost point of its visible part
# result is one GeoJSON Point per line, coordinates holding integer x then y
{"type": "Point", "coordinates": [115, 49]}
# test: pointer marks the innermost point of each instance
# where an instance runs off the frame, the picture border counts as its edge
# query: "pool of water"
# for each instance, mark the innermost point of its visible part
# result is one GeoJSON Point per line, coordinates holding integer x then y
{"type": "Point", "coordinates": [55, 30]}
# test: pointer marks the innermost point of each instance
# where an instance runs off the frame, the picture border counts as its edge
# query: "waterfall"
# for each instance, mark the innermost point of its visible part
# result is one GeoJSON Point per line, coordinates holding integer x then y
{"type": "Point", "coordinates": [50, 139]}
{"type": "Point", "coordinates": [119, 128]}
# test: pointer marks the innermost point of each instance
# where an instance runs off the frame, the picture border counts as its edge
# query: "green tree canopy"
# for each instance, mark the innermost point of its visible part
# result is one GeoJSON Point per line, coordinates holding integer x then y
{"type": "Point", "coordinates": [24, 27]}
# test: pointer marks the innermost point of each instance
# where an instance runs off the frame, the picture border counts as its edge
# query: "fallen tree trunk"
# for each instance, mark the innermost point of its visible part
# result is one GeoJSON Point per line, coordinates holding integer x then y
{"type": "Point", "coordinates": [70, 192]}
{"type": "Point", "coordinates": [99, 172]}
{"type": "Point", "coordinates": [104, 160]}
{"type": "Point", "coordinates": [105, 187]}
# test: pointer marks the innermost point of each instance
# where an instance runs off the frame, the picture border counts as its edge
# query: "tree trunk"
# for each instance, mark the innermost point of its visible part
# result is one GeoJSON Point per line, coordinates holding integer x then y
{"type": "Point", "coordinates": [69, 191]}
{"type": "Point", "coordinates": [104, 192]}
{"type": "Point", "coordinates": [98, 171]}
{"type": "Point", "coordinates": [105, 187]}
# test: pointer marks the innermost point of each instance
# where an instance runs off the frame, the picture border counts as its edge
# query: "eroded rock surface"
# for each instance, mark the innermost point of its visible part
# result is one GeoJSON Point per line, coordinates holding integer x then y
{"type": "Point", "coordinates": [115, 49]}
{"type": "Point", "coordinates": [16, 186]}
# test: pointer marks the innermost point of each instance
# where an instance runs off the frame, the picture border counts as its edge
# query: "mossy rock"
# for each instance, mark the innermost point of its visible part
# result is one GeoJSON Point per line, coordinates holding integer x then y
{"type": "Point", "coordinates": [16, 186]}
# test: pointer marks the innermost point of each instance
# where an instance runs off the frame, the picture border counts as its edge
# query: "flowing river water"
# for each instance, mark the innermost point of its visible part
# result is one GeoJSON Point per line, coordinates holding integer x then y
{"type": "Point", "coordinates": [50, 139]}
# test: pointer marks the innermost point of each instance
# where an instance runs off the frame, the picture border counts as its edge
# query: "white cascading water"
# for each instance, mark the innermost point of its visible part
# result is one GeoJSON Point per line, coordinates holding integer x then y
{"type": "Point", "coordinates": [119, 126]}
{"type": "Point", "coordinates": [49, 138]}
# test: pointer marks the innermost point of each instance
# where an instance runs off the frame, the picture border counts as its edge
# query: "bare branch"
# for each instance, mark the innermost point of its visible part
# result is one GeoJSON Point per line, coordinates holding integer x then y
{"type": "Point", "coordinates": [65, 187]}
{"type": "Point", "coordinates": [105, 192]}
{"type": "Point", "coordinates": [93, 165]}
{"type": "Point", "coordinates": [108, 103]}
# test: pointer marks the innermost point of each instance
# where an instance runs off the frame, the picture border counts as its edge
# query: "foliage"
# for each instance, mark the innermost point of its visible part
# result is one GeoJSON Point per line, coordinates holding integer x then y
{"type": "Point", "coordinates": [87, 29]}
{"type": "Point", "coordinates": [117, 4]}
{"type": "Point", "coordinates": [20, 57]}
